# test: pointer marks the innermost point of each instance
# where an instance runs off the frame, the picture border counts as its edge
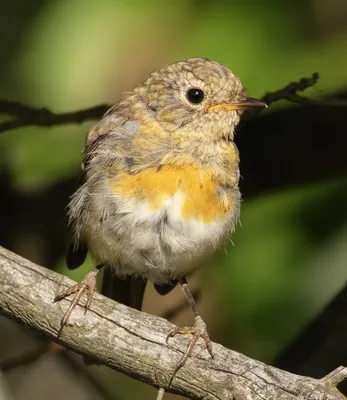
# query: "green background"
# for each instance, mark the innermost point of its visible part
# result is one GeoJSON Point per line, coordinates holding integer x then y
{"type": "Point", "coordinates": [288, 259]}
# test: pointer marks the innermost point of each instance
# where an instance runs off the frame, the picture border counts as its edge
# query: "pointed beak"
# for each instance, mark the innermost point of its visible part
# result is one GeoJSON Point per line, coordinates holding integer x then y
{"type": "Point", "coordinates": [242, 104]}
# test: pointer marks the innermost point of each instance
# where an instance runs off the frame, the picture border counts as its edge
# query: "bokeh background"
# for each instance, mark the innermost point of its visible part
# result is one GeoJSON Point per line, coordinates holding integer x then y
{"type": "Point", "coordinates": [287, 260]}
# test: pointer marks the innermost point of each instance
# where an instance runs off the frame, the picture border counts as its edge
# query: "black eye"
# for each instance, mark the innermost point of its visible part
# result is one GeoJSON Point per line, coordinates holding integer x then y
{"type": "Point", "coordinates": [195, 96]}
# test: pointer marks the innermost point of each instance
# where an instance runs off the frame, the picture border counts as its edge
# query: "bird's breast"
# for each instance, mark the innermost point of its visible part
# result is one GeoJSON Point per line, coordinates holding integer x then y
{"type": "Point", "coordinates": [161, 223]}
{"type": "Point", "coordinates": [192, 191]}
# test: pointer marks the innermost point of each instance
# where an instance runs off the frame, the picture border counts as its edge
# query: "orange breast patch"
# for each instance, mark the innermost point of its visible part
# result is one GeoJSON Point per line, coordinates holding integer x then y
{"type": "Point", "coordinates": [156, 185]}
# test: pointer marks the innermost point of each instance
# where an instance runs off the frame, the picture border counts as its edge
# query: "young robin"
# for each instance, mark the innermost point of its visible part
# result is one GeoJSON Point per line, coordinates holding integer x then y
{"type": "Point", "coordinates": [159, 194]}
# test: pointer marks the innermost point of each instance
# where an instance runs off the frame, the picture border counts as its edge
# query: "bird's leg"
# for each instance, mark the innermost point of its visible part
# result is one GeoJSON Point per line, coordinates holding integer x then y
{"type": "Point", "coordinates": [197, 330]}
{"type": "Point", "coordinates": [87, 285]}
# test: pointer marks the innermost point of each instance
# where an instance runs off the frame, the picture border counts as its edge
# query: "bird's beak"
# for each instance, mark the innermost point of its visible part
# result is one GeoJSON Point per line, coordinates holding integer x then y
{"type": "Point", "coordinates": [242, 104]}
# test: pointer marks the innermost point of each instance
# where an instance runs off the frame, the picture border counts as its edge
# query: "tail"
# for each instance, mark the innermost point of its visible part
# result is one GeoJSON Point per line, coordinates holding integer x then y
{"type": "Point", "coordinates": [76, 257]}
{"type": "Point", "coordinates": [128, 290]}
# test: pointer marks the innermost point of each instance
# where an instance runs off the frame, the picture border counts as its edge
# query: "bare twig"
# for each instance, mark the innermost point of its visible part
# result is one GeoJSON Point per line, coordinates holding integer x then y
{"type": "Point", "coordinates": [161, 393]}
{"type": "Point", "coordinates": [26, 115]}
{"type": "Point", "coordinates": [289, 93]}
{"type": "Point", "coordinates": [4, 392]}
{"type": "Point", "coordinates": [134, 343]}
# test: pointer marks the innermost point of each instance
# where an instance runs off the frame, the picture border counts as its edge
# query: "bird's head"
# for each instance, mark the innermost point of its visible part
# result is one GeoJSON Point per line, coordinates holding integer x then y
{"type": "Point", "coordinates": [196, 97]}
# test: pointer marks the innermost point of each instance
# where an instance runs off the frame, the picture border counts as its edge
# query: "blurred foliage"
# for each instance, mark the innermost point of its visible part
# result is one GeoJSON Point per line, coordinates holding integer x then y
{"type": "Point", "coordinates": [75, 54]}
{"type": "Point", "coordinates": [289, 256]}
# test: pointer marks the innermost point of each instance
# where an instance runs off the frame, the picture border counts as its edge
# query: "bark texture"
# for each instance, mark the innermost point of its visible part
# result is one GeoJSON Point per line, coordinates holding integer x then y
{"type": "Point", "coordinates": [133, 342]}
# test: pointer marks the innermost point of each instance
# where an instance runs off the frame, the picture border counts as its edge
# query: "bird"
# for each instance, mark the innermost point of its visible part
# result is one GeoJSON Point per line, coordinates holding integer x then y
{"type": "Point", "coordinates": [159, 190]}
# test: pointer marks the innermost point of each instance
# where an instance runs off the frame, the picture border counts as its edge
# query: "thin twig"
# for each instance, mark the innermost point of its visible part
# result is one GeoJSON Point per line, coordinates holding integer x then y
{"type": "Point", "coordinates": [28, 116]}
{"type": "Point", "coordinates": [161, 392]}
{"type": "Point", "coordinates": [289, 93]}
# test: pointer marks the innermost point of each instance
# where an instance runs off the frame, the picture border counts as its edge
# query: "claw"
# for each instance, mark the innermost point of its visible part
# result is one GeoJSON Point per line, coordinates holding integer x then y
{"type": "Point", "coordinates": [198, 330]}
{"type": "Point", "coordinates": [87, 285]}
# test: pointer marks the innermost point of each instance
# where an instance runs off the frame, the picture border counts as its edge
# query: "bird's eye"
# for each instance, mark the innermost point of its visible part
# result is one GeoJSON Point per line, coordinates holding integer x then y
{"type": "Point", "coordinates": [195, 96]}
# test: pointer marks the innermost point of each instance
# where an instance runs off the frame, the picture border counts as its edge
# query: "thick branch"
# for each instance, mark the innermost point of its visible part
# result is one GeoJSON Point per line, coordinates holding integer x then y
{"type": "Point", "coordinates": [134, 343]}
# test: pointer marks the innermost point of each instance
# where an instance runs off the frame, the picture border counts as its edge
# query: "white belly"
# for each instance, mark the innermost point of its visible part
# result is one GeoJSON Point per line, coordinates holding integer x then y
{"type": "Point", "coordinates": [157, 244]}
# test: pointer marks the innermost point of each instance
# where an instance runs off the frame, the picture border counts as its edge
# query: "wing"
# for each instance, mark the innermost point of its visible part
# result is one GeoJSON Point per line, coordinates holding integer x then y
{"type": "Point", "coordinates": [77, 248]}
{"type": "Point", "coordinates": [114, 145]}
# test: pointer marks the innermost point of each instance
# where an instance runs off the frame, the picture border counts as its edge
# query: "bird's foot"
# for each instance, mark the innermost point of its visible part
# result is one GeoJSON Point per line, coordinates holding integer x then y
{"type": "Point", "coordinates": [198, 330]}
{"type": "Point", "coordinates": [87, 286]}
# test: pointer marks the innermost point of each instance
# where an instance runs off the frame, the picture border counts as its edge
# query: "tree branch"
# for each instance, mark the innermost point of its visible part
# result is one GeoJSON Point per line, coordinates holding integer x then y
{"type": "Point", "coordinates": [290, 93]}
{"type": "Point", "coordinates": [134, 343]}
{"type": "Point", "coordinates": [27, 115]}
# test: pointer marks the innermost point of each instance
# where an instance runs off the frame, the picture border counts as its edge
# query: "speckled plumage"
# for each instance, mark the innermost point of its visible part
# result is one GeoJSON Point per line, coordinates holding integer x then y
{"type": "Point", "coordinates": [160, 193]}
